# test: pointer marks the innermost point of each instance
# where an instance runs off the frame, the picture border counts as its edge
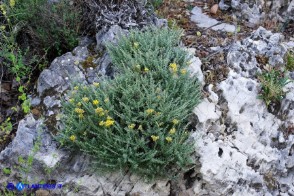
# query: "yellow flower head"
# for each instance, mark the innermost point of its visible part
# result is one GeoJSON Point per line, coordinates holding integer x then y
{"type": "Point", "coordinates": [3, 9]}
{"type": "Point", "coordinates": [95, 102]}
{"type": "Point", "coordinates": [106, 100]}
{"type": "Point", "coordinates": [149, 111]}
{"type": "Point", "coordinates": [96, 84]}
{"type": "Point", "coordinates": [12, 3]}
{"type": "Point", "coordinates": [101, 123]}
{"type": "Point", "coordinates": [154, 138]}
{"type": "Point", "coordinates": [131, 126]}
{"type": "Point", "coordinates": [73, 138]}
{"type": "Point", "coordinates": [137, 68]}
{"type": "Point", "coordinates": [81, 115]}
{"type": "Point", "coordinates": [99, 110]}
{"type": "Point", "coordinates": [172, 131]}
{"type": "Point", "coordinates": [71, 100]}
{"type": "Point", "coordinates": [79, 104]}
{"type": "Point", "coordinates": [85, 99]}
{"type": "Point", "coordinates": [146, 69]}
{"type": "Point", "coordinates": [168, 139]}
{"type": "Point", "coordinates": [160, 124]}
{"type": "Point", "coordinates": [140, 128]}
{"type": "Point", "coordinates": [109, 122]}
{"type": "Point", "coordinates": [101, 114]}
{"type": "Point", "coordinates": [183, 71]}
{"type": "Point", "coordinates": [2, 27]}
{"type": "Point", "coordinates": [173, 67]}
{"type": "Point", "coordinates": [79, 110]}
{"type": "Point", "coordinates": [109, 118]}
{"type": "Point", "coordinates": [175, 121]}
{"type": "Point", "coordinates": [76, 88]}
{"type": "Point", "coordinates": [136, 44]}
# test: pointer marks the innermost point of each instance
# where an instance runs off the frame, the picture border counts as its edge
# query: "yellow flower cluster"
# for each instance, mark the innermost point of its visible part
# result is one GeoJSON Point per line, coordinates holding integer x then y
{"type": "Point", "coordinates": [158, 113]}
{"type": "Point", "coordinates": [154, 138]}
{"type": "Point", "coordinates": [183, 71]}
{"type": "Point", "coordinates": [131, 126]}
{"type": "Point", "coordinates": [85, 99]}
{"type": "Point", "coordinates": [79, 111]}
{"type": "Point", "coordinates": [146, 69]}
{"type": "Point", "coordinates": [172, 131]}
{"type": "Point", "coordinates": [71, 100]}
{"type": "Point", "coordinates": [95, 102]}
{"type": "Point", "coordinates": [76, 88]}
{"type": "Point", "coordinates": [175, 121]}
{"type": "Point", "coordinates": [149, 111]}
{"type": "Point", "coordinates": [79, 104]}
{"type": "Point", "coordinates": [136, 44]}
{"type": "Point", "coordinates": [109, 122]}
{"type": "Point", "coordinates": [168, 139]}
{"type": "Point", "coordinates": [99, 111]}
{"type": "Point", "coordinates": [72, 138]}
{"type": "Point", "coordinates": [160, 124]}
{"type": "Point", "coordinates": [3, 9]}
{"type": "Point", "coordinates": [173, 67]}
{"type": "Point", "coordinates": [96, 84]}
{"type": "Point", "coordinates": [12, 3]}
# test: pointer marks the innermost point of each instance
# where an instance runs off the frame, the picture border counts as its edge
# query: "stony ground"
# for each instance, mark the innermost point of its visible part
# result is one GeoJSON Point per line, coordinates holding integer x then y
{"type": "Point", "coordinates": [243, 147]}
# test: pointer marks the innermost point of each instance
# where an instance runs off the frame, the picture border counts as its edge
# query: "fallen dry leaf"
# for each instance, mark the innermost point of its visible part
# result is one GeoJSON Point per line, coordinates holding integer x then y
{"type": "Point", "coordinates": [214, 9]}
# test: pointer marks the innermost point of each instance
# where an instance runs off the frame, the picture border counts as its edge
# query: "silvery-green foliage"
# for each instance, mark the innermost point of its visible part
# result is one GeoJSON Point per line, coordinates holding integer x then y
{"type": "Point", "coordinates": [138, 120]}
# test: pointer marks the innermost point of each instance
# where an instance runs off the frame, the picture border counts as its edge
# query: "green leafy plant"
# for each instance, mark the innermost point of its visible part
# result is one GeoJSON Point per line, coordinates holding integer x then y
{"type": "Point", "coordinates": [31, 33]}
{"type": "Point", "coordinates": [155, 49]}
{"type": "Point", "coordinates": [156, 3]}
{"type": "Point", "coordinates": [290, 61]}
{"type": "Point", "coordinates": [6, 171]}
{"type": "Point", "coordinates": [138, 120]}
{"type": "Point", "coordinates": [25, 165]}
{"type": "Point", "coordinates": [52, 27]}
{"type": "Point", "coordinates": [5, 131]}
{"type": "Point", "coordinates": [272, 84]}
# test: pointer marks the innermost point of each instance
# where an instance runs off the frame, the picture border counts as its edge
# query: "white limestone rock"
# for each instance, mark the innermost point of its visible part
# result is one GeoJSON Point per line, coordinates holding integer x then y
{"type": "Point", "coordinates": [253, 159]}
{"type": "Point", "coordinates": [207, 111]}
{"type": "Point", "coordinates": [242, 56]}
{"type": "Point", "coordinates": [205, 21]}
{"type": "Point", "coordinates": [195, 69]}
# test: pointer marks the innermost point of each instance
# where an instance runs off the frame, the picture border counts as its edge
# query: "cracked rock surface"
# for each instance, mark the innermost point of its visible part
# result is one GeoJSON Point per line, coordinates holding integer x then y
{"type": "Point", "coordinates": [246, 150]}
{"type": "Point", "coordinates": [240, 147]}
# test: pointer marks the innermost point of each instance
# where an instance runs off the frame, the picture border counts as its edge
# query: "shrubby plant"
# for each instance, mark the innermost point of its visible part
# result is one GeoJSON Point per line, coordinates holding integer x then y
{"type": "Point", "coordinates": [32, 32]}
{"type": "Point", "coordinates": [138, 120]}
{"type": "Point", "coordinates": [52, 28]}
